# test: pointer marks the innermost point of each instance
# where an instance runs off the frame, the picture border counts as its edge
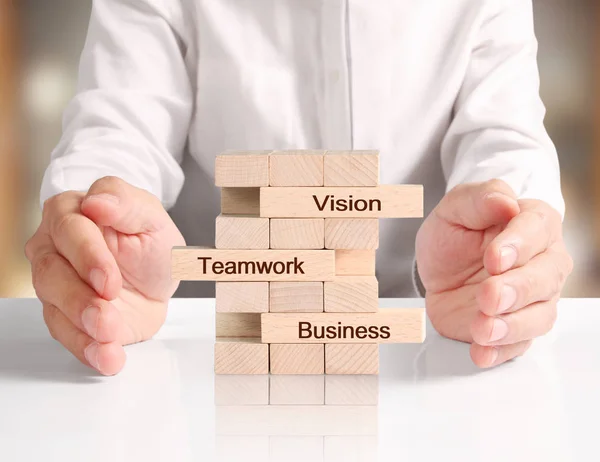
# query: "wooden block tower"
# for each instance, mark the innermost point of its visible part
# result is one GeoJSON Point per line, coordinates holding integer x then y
{"type": "Point", "coordinates": [294, 263]}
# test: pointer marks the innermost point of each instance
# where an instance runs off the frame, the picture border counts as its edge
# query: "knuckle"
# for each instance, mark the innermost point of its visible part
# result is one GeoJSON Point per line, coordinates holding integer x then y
{"type": "Point", "coordinates": [108, 183]}
{"type": "Point", "coordinates": [62, 224]}
{"type": "Point", "coordinates": [50, 314]}
{"type": "Point", "coordinates": [42, 266]}
{"type": "Point", "coordinates": [30, 248]}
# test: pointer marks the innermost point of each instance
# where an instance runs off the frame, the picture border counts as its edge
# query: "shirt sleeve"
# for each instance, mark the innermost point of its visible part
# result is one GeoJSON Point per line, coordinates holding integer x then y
{"type": "Point", "coordinates": [131, 114]}
{"type": "Point", "coordinates": [498, 126]}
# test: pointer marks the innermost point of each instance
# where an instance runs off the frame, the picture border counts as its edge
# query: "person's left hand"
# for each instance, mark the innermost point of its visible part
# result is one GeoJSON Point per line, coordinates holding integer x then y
{"type": "Point", "coordinates": [493, 268]}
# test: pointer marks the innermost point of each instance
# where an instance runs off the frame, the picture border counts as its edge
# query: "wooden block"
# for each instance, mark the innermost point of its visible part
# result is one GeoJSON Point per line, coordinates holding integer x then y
{"type": "Point", "coordinates": [242, 297]}
{"type": "Point", "coordinates": [388, 201]}
{"type": "Point", "coordinates": [296, 448]}
{"type": "Point", "coordinates": [296, 168]}
{"type": "Point", "coordinates": [353, 294]}
{"type": "Point", "coordinates": [233, 448]}
{"type": "Point", "coordinates": [360, 358]}
{"type": "Point", "coordinates": [297, 359]}
{"type": "Point", "coordinates": [240, 201]}
{"type": "Point", "coordinates": [388, 325]}
{"type": "Point", "coordinates": [241, 232]}
{"type": "Point", "coordinates": [237, 325]}
{"type": "Point", "coordinates": [242, 169]}
{"type": "Point", "coordinates": [297, 233]}
{"type": "Point", "coordinates": [355, 262]}
{"type": "Point", "coordinates": [351, 390]}
{"type": "Point", "coordinates": [353, 448]}
{"type": "Point", "coordinates": [296, 297]}
{"type": "Point", "coordinates": [297, 389]}
{"type": "Point", "coordinates": [242, 390]}
{"type": "Point", "coordinates": [351, 168]}
{"type": "Point", "coordinates": [205, 264]}
{"type": "Point", "coordinates": [352, 233]}
{"type": "Point", "coordinates": [241, 356]}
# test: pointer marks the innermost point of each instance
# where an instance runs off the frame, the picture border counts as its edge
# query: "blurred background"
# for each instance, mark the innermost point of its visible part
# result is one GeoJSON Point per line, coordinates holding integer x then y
{"type": "Point", "coordinates": [40, 42]}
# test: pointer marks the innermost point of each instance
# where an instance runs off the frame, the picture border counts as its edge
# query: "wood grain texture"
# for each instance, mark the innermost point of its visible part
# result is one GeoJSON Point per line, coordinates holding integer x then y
{"type": "Point", "coordinates": [242, 169]}
{"type": "Point", "coordinates": [243, 325]}
{"type": "Point", "coordinates": [297, 359]}
{"type": "Point", "coordinates": [297, 389]}
{"type": "Point", "coordinates": [351, 294]}
{"type": "Point", "coordinates": [296, 168]}
{"type": "Point", "coordinates": [355, 262]}
{"type": "Point", "coordinates": [351, 390]}
{"type": "Point", "coordinates": [386, 201]}
{"type": "Point", "coordinates": [297, 233]}
{"type": "Point", "coordinates": [241, 356]}
{"type": "Point", "coordinates": [352, 359]}
{"type": "Point", "coordinates": [252, 265]}
{"type": "Point", "coordinates": [406, 325]}
{"type": "Point", "coordinates": [242, 297]}
{"type": "Point", "coordinates": [241, 232]}
{"type": "Point", "coordinates": [352, 233]}
{"type": "Point", "coordinates": [243, 390]}
{"type": "Point", "coordinates": [296, 297]}
{"type": "Point", "coordinates": [240, 201]}
{"type": "Point", "coordinates": [351, 168]}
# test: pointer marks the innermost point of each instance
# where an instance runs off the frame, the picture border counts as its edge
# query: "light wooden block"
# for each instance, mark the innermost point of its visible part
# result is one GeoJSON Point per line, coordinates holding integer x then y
{"type": "Point", "coordinates": [351, 294]}
{"type": "Point", "coordinates": [297, 233]}
{"type": "Point", "coordinates": [351, 168]}
{"type": "Point", "coordinates": [388, 201]}
{"type": "Point", "coordinates": [233, 448]}
{"type": "Point", "coordinates": [241, 390]}
{"type": "Point", "coordinates": [350, 448]}
{"type": "Point", "coordinates": [205, 264]}
{"type": "Point", "coordinates": [296, 297]}
{"type": "Point", "coordinates": [296, 168]}
{"type": "Point", "coordinates": [351, 390]}
{"type": "Point", "coordinates": [297, 390]}
{"type": "Point", "coordinates": [355, 262]}
{"type": "Point", "coordinates": [242, 297]}
{"type": "Point", "coordinates": [352, 233]}
{"type": "Point", "coordinates": [297, 359]}
{"type": "Point", "coordinates": [352, 359]}
{"type": "Point", "coordinates": [296, 448]}
{"type": "Point", "coordinates": [241, 232]}
{"type": "Point", "coordinates": [237, 325]}
{"type": "Point", "coordinates": [242, 169]}
{"type": "Point", "coordinates": [388, 325]}
{"type": "Point", "coordinates": [241, 356]}
{"type": "Point", "coordinates": [240, 201]}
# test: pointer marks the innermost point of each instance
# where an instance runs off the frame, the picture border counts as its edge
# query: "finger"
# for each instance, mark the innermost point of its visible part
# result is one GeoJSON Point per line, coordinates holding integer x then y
{"type": "Point", "coordinates": [490, 356]}
{"type": "Point", "coordinates": [57, 283]}
{"type": "Point", "coordinates": [130, 210]}
{"type": "Point", "coordinates": [528, 323]}
{"type": "Point", "coordinates": [106, 358]}
{"type": "Point", "coordinates": [479, 206]}
{"type": "Point", "coordinates": [531, 232]}
{"type": "Point", "coordinates": [541, 279]}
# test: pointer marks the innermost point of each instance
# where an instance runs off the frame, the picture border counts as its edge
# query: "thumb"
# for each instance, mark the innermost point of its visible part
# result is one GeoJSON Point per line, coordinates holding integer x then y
{"type": "Point", "coordinates": [478, 206]}
{"type": "Point", "coordinates": [113, 202]}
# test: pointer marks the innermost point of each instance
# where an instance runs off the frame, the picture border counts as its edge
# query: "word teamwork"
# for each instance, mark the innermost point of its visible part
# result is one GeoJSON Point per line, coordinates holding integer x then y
{"type": "Point", "coordinates": [294, 263]}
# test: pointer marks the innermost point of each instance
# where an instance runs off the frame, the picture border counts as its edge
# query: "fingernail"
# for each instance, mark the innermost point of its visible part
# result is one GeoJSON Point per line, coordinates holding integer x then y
{"type": "Point", "coordinates": [89, 319]}
{"type": "Point", "coordinates": [494, 356]}
{"type": "Point", "coordinates": [499, 330]}
{"type": "Point", "coordinates": [508, 257]}
{"type": "Point", "coordinates": [91, 354]}
{"type": "Point", "coordinates": [508, 297]}
{"type": "Point", "coordinates": [98, 280]}
{"type": "Point", "coordinates": [104, 197]}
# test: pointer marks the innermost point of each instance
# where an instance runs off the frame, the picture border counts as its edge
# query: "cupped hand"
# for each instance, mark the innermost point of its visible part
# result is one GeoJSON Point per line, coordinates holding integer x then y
{"type": "Point", "coordinates": [101, 267]}
{"type": "Point", "coordinates": [493, 268]}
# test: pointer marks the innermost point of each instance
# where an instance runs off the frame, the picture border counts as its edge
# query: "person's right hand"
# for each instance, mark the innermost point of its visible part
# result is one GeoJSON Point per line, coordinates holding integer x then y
{"type": "Point", "coordinates": [101, 267]}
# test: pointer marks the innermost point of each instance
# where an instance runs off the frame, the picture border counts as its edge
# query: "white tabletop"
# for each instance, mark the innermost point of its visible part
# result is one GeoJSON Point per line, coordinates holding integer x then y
{"type": "Point", "coordinates": [433, 403]}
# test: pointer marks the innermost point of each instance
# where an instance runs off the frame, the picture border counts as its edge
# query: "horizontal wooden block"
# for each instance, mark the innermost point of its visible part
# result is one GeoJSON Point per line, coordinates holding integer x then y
{"type": "Point", "coordinates": [355, 262]}
{"type": "Point", "coordinates": [351, 390]}
{"type": "Point", "coordinates": [297, 233]}
{"type": "Point", "coordinates": [237, 324]}
{"type": "Point", "coordinates": [241, 356]}
{"type": "Point", "coordinates": [297, 359]}
{"type": "Point", "coordinates": [233, 448]}
{"type": "Point", "coordinates": [297, 389]}
{"type": "Point", "coordinates": [240, 201]}
{"type": "Point", "coordinates": [389, 201]}
{"type": "Point", "coordinates": [241, 232]}
{"type": "Point", "coordinates": [355, 448]}
{"type": "Point", "coordinates": [242, 297]}
{"type": "Point", "coordinates": [242, 169]}
{"type": "Point", "coordinates": [241, 390]}
{"type": "Point", "coordinates": [352, 233]}
{"type": "Point", "coordinates": [353, 294]}
{"type": "Point", "coordinates": [351, 168]}
{"type": "Point", "coordinates": [285, 448]}
{"type": "Point", "coordinates": [357, 358]}
{"type": "Point", "coordinates": [205, 264]}
{"type": "Point", "coordinates": [388, 325]}
{"type": "Point", "coordinates": [296, 168]}
{"type": "Point", "coordinates": [296, 297]}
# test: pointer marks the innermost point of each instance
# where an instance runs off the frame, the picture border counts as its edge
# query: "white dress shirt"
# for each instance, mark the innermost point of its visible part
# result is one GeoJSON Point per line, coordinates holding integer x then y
{"type": "Point", "coordinates": [448, 91]}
